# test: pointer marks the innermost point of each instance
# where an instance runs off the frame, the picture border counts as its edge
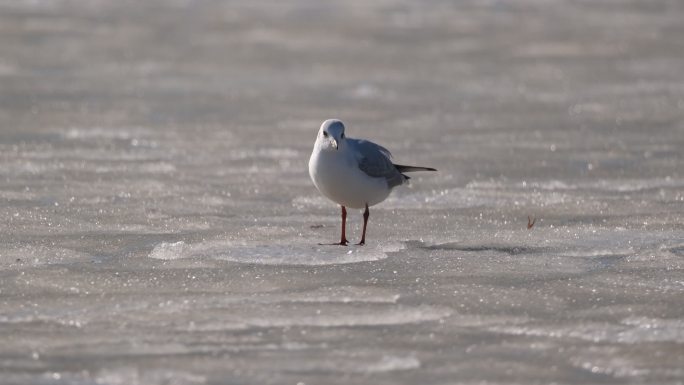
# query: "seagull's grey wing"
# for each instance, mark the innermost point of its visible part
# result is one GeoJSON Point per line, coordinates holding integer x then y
{"type": "Point", "coordinates": [375, 161]}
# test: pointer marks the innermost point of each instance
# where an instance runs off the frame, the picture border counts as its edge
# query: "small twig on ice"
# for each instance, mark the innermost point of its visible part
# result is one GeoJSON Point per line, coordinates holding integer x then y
{"type": "Point", "coordinates": [530, 222]}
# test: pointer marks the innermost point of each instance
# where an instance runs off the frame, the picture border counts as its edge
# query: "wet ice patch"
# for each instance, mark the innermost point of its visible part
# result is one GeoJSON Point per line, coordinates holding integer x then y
{"type": "Point", "coordinates": [273, 254]}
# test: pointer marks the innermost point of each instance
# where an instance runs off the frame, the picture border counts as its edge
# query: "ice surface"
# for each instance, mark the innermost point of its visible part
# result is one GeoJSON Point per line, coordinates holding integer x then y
{"type": "Point", "coordinates": [159, 225]}
{"type": "Point", "coordinates": [272, 254]}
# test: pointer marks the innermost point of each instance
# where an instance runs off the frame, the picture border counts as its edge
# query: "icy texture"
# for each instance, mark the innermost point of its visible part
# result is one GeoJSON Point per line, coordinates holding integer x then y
{"type": "Point", "coordinates": [274, 253]}
{"type": "Point", "coordinates": [159, 225]}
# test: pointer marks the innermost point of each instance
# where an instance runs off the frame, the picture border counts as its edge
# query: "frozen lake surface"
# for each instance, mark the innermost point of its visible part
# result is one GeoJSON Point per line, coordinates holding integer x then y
{"type": "Point", "coordinates": [159, 225]}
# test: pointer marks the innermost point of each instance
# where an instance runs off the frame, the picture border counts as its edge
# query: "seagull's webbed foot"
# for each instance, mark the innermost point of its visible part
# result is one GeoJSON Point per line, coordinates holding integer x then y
{"type": "Point", "coordinates": [343, 242]}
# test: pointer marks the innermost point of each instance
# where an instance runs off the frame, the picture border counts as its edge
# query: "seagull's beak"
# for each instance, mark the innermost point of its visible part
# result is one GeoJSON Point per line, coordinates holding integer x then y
{"type": "Point", "coordinates": [334, 143]}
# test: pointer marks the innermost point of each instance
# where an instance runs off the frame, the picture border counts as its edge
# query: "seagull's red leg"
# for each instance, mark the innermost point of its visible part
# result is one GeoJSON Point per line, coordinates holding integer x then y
{"type": "Point", "coordinates": [366, 214]}
{"type": "Point", "coordinates": [343, 238]}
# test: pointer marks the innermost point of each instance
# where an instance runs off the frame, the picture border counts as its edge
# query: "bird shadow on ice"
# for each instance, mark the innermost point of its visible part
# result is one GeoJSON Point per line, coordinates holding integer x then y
{"type": "Point", "coordinates": [292, 253]}
{"type": "Point", "coordinates": [454, 246]}
{"type": "Point", "coordinates": [604, 256]}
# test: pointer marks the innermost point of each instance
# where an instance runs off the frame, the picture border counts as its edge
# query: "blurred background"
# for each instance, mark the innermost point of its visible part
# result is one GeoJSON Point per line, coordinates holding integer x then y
{"type": "Point", "coordinates": [160, 225]}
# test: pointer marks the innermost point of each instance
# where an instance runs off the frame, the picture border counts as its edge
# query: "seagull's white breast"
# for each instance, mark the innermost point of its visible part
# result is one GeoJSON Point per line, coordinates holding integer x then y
{"type": "Point", "coordinates": [336, 174]}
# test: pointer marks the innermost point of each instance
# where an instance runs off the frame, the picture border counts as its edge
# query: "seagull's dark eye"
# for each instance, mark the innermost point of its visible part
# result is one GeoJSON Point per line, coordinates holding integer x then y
{"type": "Point", "coordinates": [325, 134]}
{"type": "Point", "coordinates": [342, 136]}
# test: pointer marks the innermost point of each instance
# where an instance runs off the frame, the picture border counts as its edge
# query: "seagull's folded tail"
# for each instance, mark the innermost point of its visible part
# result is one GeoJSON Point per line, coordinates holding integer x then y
{"type": "Point", "coordinates": [403, 168]}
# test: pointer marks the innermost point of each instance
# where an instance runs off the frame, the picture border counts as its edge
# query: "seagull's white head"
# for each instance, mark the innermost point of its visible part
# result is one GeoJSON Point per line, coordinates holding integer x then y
{"type": "Point", "coordinates": [331, 135]}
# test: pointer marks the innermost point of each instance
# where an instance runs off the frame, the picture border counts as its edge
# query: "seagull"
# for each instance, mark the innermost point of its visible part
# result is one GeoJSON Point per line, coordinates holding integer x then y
{"type": "Point", "coordinates": [354, 173]}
